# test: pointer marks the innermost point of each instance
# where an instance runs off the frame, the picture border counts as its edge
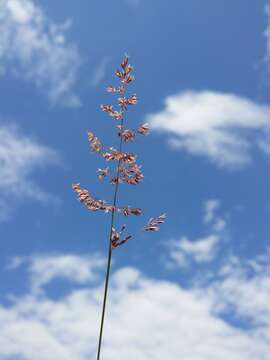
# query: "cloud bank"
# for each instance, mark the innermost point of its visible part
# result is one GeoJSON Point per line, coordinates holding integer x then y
{"type": "Point", "coordinates": [147, 318]}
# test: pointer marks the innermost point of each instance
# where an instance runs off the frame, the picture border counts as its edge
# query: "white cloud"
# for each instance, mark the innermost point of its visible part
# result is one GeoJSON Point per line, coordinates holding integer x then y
{"type": "Point", "coordinates": [199, 250]}
{"type": "Point", "coordinates": [36, 49]}
{"type": "Point", "coordinates": [211, 206]}
{"type": "Point", "coordinates": [243, 289]}
{"type": "Point", "coordinates": [223, 127]}
{"type": "Point", "coordinates": [210, 216]}
{"type": "Point", "coordinates": [19, 157]}
{"type": "Point", "coordinates": [202, 250]}
{"type": "Point", "coordinates": [146, 319]}
{"type": "Point", "coordinates": [44, 269]}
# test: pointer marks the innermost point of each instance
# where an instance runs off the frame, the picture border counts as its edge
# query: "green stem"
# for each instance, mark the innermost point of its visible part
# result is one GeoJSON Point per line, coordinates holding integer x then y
{"type": "Point", "coordinates": [109, 250]}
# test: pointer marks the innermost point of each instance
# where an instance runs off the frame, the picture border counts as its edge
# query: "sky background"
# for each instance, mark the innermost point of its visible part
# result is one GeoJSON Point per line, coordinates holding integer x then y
{"type": "Point", "coordinates": [199, 288]}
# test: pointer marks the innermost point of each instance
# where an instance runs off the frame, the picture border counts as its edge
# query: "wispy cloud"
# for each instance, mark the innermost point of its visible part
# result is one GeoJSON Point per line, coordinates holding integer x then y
{"type": "Point", "coordinates": [184, 252]}
{"type": "Point", "coordinates": [211, 217]}
{"type": "Point", "coordinates": [20, 156]}
{"type": "Point", "coordinates": [36, 49]}
{"type": "Point", "coordinates": [133, 3]}
{"type": "Point", "coordinates": [145, 319]}
{"type": "Point", "coordinates": [222, 127]}
{"type": "Point", "coordinates": [99, 72]}
{"type": "Point", "coordinates": [267, 32]}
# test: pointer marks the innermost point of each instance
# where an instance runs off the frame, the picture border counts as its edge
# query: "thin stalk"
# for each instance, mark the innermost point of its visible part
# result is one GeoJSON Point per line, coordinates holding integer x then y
{"type": "Point", "coordinates": [109, 249]}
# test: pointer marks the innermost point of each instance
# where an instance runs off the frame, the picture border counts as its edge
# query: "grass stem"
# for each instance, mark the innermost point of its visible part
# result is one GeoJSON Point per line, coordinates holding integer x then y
{"type": "Point", "coordinates": [109, 250]}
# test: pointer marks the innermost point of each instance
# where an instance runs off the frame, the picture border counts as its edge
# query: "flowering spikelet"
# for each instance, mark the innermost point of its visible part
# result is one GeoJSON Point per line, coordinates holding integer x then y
{"type": "Point", "coordinates": [90, 202]}
{"type": "Point", "coordinates": [143, 129]}
{"type": "Point", "coordinates": [102, 173]}
{"type": "Point", "coordinates": [124, 102]}
{"type": "Point", "coordinates": [124, 62]}
{"type": "Point", "coordinates": [127, 135]}
{"type": "Point", "coordinates": [94, 142]}
{"type": "Point", "coordinates": [131, 174]}
{"type": "Point", "coordinates": [124, 73]}
{"type": "Point", "coordinates": [116, 239]}
{"type": "Point", "coordinates": [153, 222]}
{"type": "Point", "coordinates": [106, 108]}
{"type": "Point", "coordinates": [118, 115]}
{"type": "Point", "coordinates": [114, 154]}
{"type": "Point", "coordinates": [130, 211]}
{"type": "Point", "coordinates": [132, 100]}
{"type": "Point", "coordinates": [119, 90]}
{"type": "Point", "coordinates": [128, 158]}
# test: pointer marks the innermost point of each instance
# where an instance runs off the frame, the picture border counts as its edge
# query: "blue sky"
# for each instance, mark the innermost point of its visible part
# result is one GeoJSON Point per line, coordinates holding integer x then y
{"type": "Point", "coordinates": [199, 288]}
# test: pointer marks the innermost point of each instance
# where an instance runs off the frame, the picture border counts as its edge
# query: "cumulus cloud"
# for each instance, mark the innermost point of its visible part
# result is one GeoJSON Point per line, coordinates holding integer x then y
{"type": "Point", "coordinates": [36, 49]}
{"type": "Point", "coordinates": [19, 157]}
{"type": "Point", "coordinates": [222, 127]}
{"type": "Point", "coordinates": [184, 252]}
{"type": "Point", "coordinates": [147, 318]}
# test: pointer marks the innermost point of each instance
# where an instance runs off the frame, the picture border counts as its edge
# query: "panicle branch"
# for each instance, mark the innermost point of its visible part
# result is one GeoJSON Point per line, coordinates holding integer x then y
{"type": "Point", "coordinates": [114, 154]}
{"type": "Point", "coordinates": [144, 129]}
{"type": "Point", "coordinates": [95, 144]}
{"type": "Point", "coordinates": [127, 170]}
{"type": "Point", "coordinates": [89, 201]}
{"type": "Point", "coordinates": [119, 90]}
{"type": "Point", "coordinates": [127, 135]}
{"type": "Point", "coordinates": [116, 238]}
{"type": "Point", "coordinates": [153, 223]}
{"type": "Point", "coordinates": [102, 173]}
{"type": "Point", "coordinates": [118, 115]}
{"type": "Point", "coordinates": [130, 174]}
